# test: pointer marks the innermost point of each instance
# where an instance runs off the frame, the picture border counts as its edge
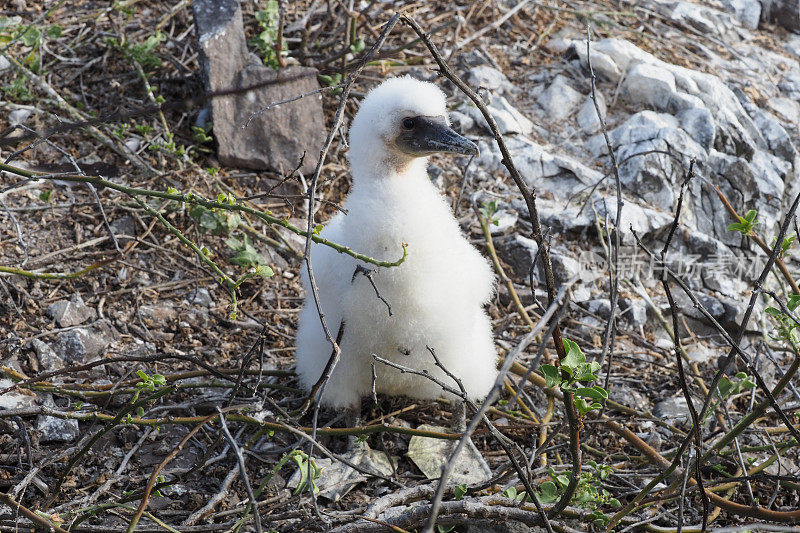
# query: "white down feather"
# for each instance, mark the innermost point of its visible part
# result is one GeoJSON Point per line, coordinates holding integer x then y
{"type": "Point", "coordinates": [437, 295]}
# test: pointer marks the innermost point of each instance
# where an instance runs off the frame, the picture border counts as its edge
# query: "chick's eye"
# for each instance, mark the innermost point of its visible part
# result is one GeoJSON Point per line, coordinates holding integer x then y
{"type": "Point", "coordinates": [408, 123]}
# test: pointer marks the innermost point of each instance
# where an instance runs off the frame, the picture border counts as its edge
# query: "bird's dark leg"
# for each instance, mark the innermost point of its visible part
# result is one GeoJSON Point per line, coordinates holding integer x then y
{"type": "Point", "coordinates": [459, 423]}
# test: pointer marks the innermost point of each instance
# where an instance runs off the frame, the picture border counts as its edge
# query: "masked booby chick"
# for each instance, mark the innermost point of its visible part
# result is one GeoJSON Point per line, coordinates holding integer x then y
{"type": "Point", "coordinates": [436, 296]}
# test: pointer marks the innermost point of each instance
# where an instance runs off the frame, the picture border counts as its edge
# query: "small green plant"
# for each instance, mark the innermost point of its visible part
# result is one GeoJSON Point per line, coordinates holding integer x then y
{"type": "Point", "coordinates": [147, 383]}
{"type": "Point", "coordinates": [511, 493]}
{"type": "Point", "coordinates": [572, 376]}
{"type": "Point", "coordinates": [786, 327]}
{"type": "Point", "coordinates": [246, 254]}
{"type": "Point", "coordinates": [459, 491]}
{"type": "Point", "coordinates": [746, 223]}
{"type": "Point", "coordinates": [487, 210]}
{"type": "Point", "coordinates": [590, 494]}
{"type": "Point", "coordinates": [264, 42]}
{"type": "Point", "coordinates": [302, 460]}
{"type": "Point", "coordinates": [214, 221]}
{"type": "Point", "coordinates": [786, 245]}
{"type": "Point", "coordinates": [142, 129]}
{"type": "Point", "coordinates": [331, 81]}
{"type": "Point", "coordinates": [201, 135]}
{"type": "Point", "coordinates": [142, 53]}
{"type": "Point", "coordinates": [17, 90]}
{"type": "Point", "coordinates": [45, 195]}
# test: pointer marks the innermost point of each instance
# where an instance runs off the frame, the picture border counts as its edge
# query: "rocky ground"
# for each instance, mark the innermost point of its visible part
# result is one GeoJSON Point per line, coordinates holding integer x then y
{"type": "Point", "coordinates": [99, 297]}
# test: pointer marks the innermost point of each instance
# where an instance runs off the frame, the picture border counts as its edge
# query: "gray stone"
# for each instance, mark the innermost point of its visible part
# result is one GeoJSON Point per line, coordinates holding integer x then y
{"type": "Point", "coordinates": [792, 46]}
{"type": "Point", "coordinates": [560, 175]}
{"type": "Point", "coordinates": [80, 344]}
{"type": "Point", "coordinates": [643, 220]}
{"type": "Point", "coordinates": [16, 399]}
{"type": "Point", "coordinates": [634, 311]}
{"type": "Point", "coordinates": [603, 64]}
{"type": "Point", "coordinates": [699, 124]}
{"type": "Point", "coordinates": [747, 11]}
{"type": "Point", "coordinates": [649, 85]}
{"type": "Point", "coordinates": [673, 410]}
{"type": "Point", "coordinates": [650, 175]}
{"type": "Point", "coordinates": [200, 297]}
{"type": "Point", "coordinates": [509, 120]}
{"type": "Point", "coordinates": [278, 137]}
{"type": "Point", "coordinates": [503, 221]}
{"type": "Point", "coordinates": [461, 121]}
{"type": "Point", "coordinates": [158, 313]}
{"type": "Point", "coordinates": [565, 267]}
{"type": "Point", "coordinates": [559, 99]}
{"type": "Point", "coordinates": [124, 226]}
{"type": "Point", "coordinates": [48, 359]}
{"type": "Point", "coordinates": [519, 252]}
{"type": "Point", "coordinates": [5, 64]}
{"type": "Point", "coordinates": [785, 108]}
{"type": "Point", "coordinates": [600, 307]}
{"type": "Point", "coordinates": [785, 13]}
{"type": "Point", "coordinates": [693, 15]}
{"type": "Point", "coordinates": [777, 138]}
{"type": "Point", "coordinates": [70, 312]}
{"type": "Point", "coordinates": [52, 429]}
{"type": "Point", "coordinates": [490, 78]}
{"type": "Point", "coordinates": [629, 397]}
{"type": "Point", "coordinates": [587, 115]}
{"type": "Point", "coordinates": [563, 218]}
{"type": "Point", "coordinates": [18, 116]}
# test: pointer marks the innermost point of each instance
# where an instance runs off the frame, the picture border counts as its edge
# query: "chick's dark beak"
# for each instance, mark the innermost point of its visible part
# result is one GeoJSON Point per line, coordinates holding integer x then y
{"type": "Point", "coordinates": [423, 136]}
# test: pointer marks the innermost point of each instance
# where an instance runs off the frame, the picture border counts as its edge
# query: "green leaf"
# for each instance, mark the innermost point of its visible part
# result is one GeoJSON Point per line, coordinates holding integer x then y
{"type": "Point", "coordinates": [246, 254]}
{"type": "Point", "coordinates": [551, 375]}
{"type": "Point", "coordinates": [724, 387]}
{"type": "Point", "coordinates": [53, 32]}
{"type": "Point", "coordinates": [574, 356]}
{"type": "Point", "coordinates": [596, 392]}
{"type": "Point", "coordinates": [750, 216]}
{"type": "Point", "coordinates": [794, 302]}
{"type": "Point", "coordinates": [459, 491]}
{"type": "Point", "coordinates": [549, 492]}
{"type": "Point", "coordinates": [45, 195]}
{"type": "Point", "coordinates": [736, 226]}
{"type": "Point", "coordinates": [31, 37]}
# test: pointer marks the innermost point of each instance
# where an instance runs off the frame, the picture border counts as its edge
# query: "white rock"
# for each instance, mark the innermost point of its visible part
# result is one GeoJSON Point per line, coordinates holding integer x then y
{"type": "Point", "coordinates": [785, 108]}
{"type": "Point", "coordinates": [5, 64]}
{"type": "Point", "coordinates": [792, 46]}
{"type": "Point", "coordinates": [559, 99]}
{"type": "Point", "coordinates": [508, 119]}
{"type": "Point", "coordinates": [694, 15]}
{"type": "Point", "coordinates": [52, 429]}
{"type": "Point", "coordinates": [699, 124]}
{"type": "Point", "coordinates": [587, 115]}
{"type": "Point", "coordinates": [650, 85]}
{"type": "Point", "coordinates": [624, 53]}
{"type": "Point", "coordinates": [502, 221]}
{"type": "Point", "coordinates": [490, 78]}
{"type": "Point", "coordinates": [18, 116]}
{"type": "Point", "coordinates": [748, 11]}
{"type": "Point", "coordinates": [15, 399]}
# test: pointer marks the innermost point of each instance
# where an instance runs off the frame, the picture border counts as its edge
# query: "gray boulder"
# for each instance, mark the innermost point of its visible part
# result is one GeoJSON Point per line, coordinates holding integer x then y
{"type": "Point", "coordinates": [70, 312]}
{"type": "Point", "coordinates": [277, 138]}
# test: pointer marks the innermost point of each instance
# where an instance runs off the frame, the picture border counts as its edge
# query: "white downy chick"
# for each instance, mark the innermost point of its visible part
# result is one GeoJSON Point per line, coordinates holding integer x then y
{"type": "Point", "coordinates": [436, 296]}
